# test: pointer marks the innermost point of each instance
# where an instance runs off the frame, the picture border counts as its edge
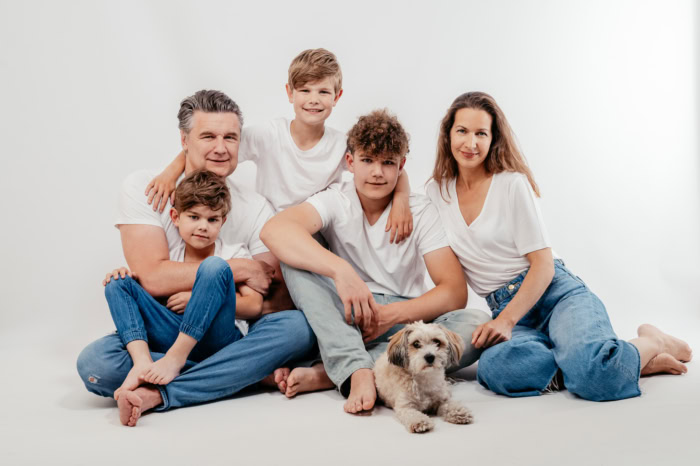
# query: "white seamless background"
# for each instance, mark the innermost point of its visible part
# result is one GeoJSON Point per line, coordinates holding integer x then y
{"type": "Point", "coordinates": [603, 97]}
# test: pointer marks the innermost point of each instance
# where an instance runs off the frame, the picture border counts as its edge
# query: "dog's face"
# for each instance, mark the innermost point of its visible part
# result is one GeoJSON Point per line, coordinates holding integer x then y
{"type": "Point", "coordinates": [422, 347]}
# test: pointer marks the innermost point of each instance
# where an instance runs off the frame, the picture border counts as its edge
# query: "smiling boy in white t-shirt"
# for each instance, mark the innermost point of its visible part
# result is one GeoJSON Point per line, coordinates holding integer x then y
{"type": "Point", "coordinates": [364, 288]}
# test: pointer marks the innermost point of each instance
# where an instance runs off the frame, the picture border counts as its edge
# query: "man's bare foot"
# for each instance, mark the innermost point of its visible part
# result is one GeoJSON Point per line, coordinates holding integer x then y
{"type": "Point", "coordinates": [277, 379]}
{"type": "Point", "coordinates": [664, 363]}
{"type": "Point", "coordinates": [164, 370]}
{"type": "Point", "coordinates": [307, 379]}
{"type": "Point", "coordinates": [132, 380]}
{"type": "Point", "coordinates": [363, 392]}
{"type": "Point", "coordinates": [132, 404]}
{"type": "Point", "coordinates": [675, 347]}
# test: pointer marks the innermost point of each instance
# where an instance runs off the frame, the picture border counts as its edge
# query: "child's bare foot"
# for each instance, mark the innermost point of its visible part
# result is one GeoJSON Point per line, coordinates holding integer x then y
{"type": "Point", "coordinates": [307, 379]}
{"type": "Point", "coordinates": [277, 379]}
{"type": "Point", "coordinates": [134, 403]}
{"type": "Point", "coordinates": [664, 363]}
{"type": "Point", "coordinates": [133, 380]}
{"type": "Point", "coordinates": [363, 392]}
{"type": "Point", "coordinates": [676, 347]}
{"type": "Point", "coordinates": [164, 370]}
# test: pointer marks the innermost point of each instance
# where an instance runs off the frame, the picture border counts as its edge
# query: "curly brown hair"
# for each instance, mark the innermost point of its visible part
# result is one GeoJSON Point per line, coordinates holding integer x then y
{"type": "Point", "coordinates": [378, 134]}
{"type": "Point", "coordinates": [202, 187]}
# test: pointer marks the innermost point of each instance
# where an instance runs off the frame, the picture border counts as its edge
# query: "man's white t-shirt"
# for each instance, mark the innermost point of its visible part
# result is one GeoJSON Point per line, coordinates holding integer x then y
{"type": "Point", "coordinates": [492, 249]}
{"type": "Point", "coordinates": [239, 235]}
{"type": "Point", "coordinates": [287, 175]}
{"type": "Point", "coordinates": [393, 269]}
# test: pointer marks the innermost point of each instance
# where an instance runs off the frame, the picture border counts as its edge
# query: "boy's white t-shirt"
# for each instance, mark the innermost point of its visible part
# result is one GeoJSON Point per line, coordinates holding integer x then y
{"type": "Point", "coordinates": [393, 269]}
{"type": "Point", "coordinates": [492, 249]}
{"type": "Point", "coordinates": [239, 234]}
{"type": "Point", "coordinates": [287, 175]}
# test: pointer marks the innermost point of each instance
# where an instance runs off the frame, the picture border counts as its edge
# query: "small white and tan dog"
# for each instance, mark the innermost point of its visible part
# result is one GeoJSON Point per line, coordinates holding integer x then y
{"type": "Point", "coordinates": [410, 376]}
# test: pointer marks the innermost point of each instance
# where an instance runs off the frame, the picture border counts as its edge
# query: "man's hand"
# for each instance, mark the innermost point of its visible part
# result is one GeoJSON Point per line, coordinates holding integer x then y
{"type": "Point", "coordinates": [259, 275]}
{"type": "Point", "coordinates": [491, 333]}
{"type": "Point", "coordinates": [384, 321]}
{"type": "Point", "coordinates": [116, 273]}
{"type": "Point", "coordinates": [178, 302]}
{"type": "Point", "coordinates": [355, 295]}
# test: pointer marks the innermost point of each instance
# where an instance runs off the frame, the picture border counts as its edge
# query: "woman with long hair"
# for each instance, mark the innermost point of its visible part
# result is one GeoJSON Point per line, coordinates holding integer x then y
{"type": "Point", "coordinates": [547, 324]}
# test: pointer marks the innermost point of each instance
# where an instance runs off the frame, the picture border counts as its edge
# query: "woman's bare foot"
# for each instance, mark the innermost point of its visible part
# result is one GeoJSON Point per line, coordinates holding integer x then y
{"type": "Point", "coordinates": [164, 370]}
{"type": "Point", "coordinates": [675, 347]}
{"type": "Point", "coordinates": [132, 404]}
{"type": "Point", "coordinates": [664, 363]}
{"type": "Point", "coordinates": [363, 392]}
{"type": "Point", "coordinates": [277, 379]}
{"type": "Point", "coordinates": [307, 379]}
{"type": "Point", "coordinates": [133, 379]}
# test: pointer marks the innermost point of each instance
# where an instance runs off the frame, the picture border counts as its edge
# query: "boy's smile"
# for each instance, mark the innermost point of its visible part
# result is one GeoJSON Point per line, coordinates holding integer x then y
{"type": "Point", "coordinates": [375, 176]}
{"type": "Point", "coordinates": [199, 226]}
{"type": "Point", "coordinates": [314, 101]}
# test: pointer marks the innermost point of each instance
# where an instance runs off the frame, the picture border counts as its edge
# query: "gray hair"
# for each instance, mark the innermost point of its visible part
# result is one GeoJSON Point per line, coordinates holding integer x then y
{"type": "Point", "coordinates": [206, 101]}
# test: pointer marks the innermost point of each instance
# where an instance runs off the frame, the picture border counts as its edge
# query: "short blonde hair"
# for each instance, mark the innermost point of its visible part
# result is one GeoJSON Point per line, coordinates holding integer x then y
{"type": "Point", "coordinates": [314, 65]}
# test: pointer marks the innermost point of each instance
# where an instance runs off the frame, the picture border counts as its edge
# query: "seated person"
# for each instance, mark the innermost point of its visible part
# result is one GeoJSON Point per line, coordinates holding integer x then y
{"type": "Point", "coordinates": [363, 290]}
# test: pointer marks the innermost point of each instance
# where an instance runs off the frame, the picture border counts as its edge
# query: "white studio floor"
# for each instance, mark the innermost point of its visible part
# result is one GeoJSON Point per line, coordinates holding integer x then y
{"type": "Point", "coordinates": [49, 418]}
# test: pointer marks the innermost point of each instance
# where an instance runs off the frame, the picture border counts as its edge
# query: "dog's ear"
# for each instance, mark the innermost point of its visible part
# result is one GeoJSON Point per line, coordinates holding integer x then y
{"type": "Point", "coordinates": [455, 345]}
{"type": "Point", "coordinates": [397, 351]}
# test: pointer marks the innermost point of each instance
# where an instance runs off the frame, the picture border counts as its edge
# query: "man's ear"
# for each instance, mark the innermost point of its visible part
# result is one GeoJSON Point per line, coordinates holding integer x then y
{"type": "Point", "coordinates": [183, 140]}
{"type": "Point", "coordinates": [290, 92]}
{"type": "Point", "coordinates": [175, 216]}
{"type": "Point", "coordinates": [350, 161]}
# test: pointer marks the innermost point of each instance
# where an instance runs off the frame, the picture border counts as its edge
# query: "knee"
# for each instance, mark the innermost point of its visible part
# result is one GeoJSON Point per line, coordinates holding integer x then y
{"type": "Point", "coordinates": [214, 266]}
{"type": "Point", "coordinates": [101, 368]}
{"type": "Point", "coordinates": [520, 369]}
{"type": "Point", "coordinates": [117, 285]}
{"type": "Point", "coordinates": [297, 334]}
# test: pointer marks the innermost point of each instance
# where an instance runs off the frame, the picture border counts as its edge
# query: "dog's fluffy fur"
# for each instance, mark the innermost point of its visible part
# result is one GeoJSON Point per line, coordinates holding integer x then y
{"type": "Point", "coordinates": [410, 376]}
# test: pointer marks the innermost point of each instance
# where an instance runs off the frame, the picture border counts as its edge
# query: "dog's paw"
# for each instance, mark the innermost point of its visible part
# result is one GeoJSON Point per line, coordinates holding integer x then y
{"type": "Point", "coordinates": [423, 425]}
{"type": "Point", "coordinates": [459, 415]}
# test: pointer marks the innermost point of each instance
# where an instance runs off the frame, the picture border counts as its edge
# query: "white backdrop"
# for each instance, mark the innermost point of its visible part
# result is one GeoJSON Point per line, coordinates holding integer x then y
{"type": "Point", "coordinates": [602, 95]}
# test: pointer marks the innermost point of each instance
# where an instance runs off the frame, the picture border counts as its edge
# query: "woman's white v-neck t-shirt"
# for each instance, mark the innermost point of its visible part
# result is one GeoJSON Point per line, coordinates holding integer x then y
{"type": "Point", "coordinates": [492, 249]}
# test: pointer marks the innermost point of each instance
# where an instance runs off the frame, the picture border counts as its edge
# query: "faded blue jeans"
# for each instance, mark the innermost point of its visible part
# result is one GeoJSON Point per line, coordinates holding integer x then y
{"type": "Point", "coordinates": [273, 341]}
{"type": "Point", "coordinates": [209, 318]}
{"type": "Point", "coordinates": [342, 349]}
{"type": "Point", "coordinates": [567, 329]}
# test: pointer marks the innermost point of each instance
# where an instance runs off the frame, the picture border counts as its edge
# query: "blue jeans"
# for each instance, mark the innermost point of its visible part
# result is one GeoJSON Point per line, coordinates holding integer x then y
{"type": "Point", "coordinates": [209, 318]}
{"type": "Point", "coordinates": [342, 348]}
{"type": "Point", "coordinates": [567, 329]}
{"type": "Point", "coordinates": [272, 341]}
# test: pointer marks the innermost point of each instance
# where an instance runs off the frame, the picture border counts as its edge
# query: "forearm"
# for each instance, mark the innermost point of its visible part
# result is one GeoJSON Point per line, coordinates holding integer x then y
{"type": "Point", "coordinates": [531, 290]}
{"type": "Point", "coordinates": [431, 305]}
{"type": "Point", "coordinates": [249, 307]}
{"type": "Point", "coordinates": [403, 187]}
{"type": "Point", "coordinates": [165, 278]}
{"type": "Point", "coordinates": [176, 167]}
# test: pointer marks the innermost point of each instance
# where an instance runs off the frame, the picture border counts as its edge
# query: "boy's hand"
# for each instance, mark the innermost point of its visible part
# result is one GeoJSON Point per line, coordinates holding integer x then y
{"type": "Point", "coordinates": [400, 220]}
{"type": "Point", "coordinates": [159, 189]}
{"type": "Point", "coordinates": [117, 273]}
{"type": "Point", "coordinates": [178, 302]}
{"type": "Point", "coordinates": [355, 295]}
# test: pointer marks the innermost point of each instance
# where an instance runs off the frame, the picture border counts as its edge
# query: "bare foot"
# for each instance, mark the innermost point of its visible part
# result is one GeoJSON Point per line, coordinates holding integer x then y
{"type": "Point", "coordinates": [363, 392]}
{"type": "Point", "coordinates": [132, 380]}
{"type": "Point", "coordinates": [277, 379]}
{"type": "Point", "coordinates": [675, 347]}
{"type": "Point", "coordinates": [664, 363]}
{"type": "Point", "coordinates": [132, 404]}
{"type": "Point", "coordinates": [164, 370]}
{"type": "Point", "coordinates": [307, 379]}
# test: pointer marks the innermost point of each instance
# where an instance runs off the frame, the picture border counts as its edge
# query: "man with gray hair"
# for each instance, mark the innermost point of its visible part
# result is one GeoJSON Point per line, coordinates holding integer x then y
{"type": "Point", "coordinates": [210, 131]}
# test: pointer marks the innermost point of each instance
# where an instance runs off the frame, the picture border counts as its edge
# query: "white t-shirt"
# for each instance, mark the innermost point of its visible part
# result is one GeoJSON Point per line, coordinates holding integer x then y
{"type": "Point", "coordinates": [392, 269]}
{"type": "Point", "coordinates": [239, 235]}
{"type": "Point", "coordinates": [287, 175]}
{"type": "Point", "coordinates": [492, 249]}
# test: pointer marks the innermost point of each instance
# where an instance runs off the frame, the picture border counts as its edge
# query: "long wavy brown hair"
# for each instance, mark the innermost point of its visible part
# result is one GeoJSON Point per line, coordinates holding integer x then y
{"type": "Point", "coordinates": [504, 154]}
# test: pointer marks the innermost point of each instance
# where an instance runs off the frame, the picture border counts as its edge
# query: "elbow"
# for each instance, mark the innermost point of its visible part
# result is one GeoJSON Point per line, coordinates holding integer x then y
{"type": "Point", "coordinates": [266, 233]}
{"type": "Point", "coordinates": [457, 295]}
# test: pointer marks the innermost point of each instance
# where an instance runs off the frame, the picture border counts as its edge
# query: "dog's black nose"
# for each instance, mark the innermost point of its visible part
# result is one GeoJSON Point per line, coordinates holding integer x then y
{"type": "Point", "coordinates": [429, 358]}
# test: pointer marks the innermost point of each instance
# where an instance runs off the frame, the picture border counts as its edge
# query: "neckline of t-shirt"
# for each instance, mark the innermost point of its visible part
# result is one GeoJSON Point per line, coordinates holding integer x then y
{"type": "Point", "coordinates": [483, 207]}
{"type": "Point", "coordinates": [356, 199]}
{"type": "Point", "coordinates": [306, 152]}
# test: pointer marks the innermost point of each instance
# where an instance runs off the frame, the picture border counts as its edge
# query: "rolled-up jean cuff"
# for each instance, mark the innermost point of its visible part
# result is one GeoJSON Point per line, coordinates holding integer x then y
{"type": "Point", "coordinates": [131, 335]}
{"type": "Point", "coordinates": [348, 374]}
{"type": "Point", "coordinates": [166, 403]}
{"type": "Point", "coordinates": [189, 330]}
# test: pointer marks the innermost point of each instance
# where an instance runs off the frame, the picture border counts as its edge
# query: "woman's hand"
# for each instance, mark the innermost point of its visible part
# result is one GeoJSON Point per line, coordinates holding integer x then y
{"type": "Point", "coordinates": [492, 333]}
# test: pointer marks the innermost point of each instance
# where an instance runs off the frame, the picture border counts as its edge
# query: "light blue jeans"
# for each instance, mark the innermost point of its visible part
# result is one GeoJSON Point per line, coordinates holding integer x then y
{"type": "Point", "coordinates": [342, 349]}
{"type": "Point", "coordinates": [209, 318]}
{"type": "Point", "coordinates": [272, 341]}
{"type": "Point", "coordinates": [567, 329]}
